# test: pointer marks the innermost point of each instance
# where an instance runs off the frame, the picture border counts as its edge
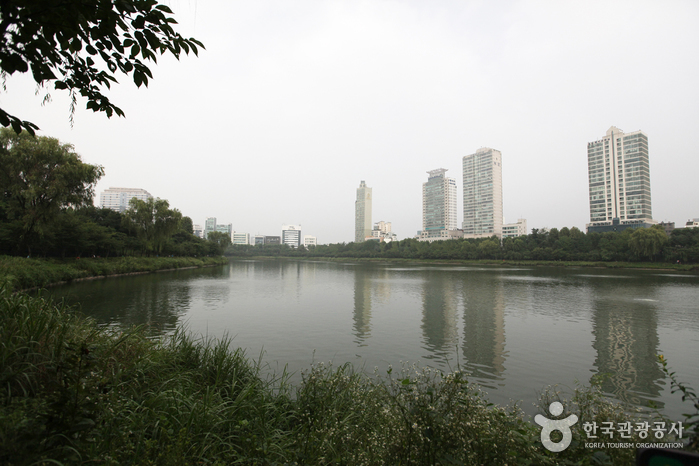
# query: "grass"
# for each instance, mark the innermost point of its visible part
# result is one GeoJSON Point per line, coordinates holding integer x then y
{"type": "Point", "coordinates": [73, 393]}
{"type": "Point", "coordinates": [23, 273]}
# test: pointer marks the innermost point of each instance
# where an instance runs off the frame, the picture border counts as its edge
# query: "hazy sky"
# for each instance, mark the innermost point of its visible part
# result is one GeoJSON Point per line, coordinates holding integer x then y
{"type": "Point", "coordinates": [292, 104]}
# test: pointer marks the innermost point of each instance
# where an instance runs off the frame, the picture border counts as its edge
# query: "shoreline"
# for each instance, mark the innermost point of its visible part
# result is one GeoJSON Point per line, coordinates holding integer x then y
{"type": "Point", "coordinates": [22, 274]}
{"type": "Point", "coordinates": [567, 264]}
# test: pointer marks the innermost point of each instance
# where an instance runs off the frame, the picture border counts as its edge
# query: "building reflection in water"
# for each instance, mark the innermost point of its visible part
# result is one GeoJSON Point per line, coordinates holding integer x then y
{"type": "Point", "coordinates": [625, 329]}
{"type": "Point", "coordinates": [439, 309]}
{"type": "Point", "coordinates": [484, 325]}
{"type": "Point", "coordinates": [369, 284]}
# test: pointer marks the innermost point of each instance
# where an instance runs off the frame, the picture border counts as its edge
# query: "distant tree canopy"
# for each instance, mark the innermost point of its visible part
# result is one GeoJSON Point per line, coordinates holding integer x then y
{"type": "Point", "coordinates": [79, 45]}
{"type": "Point", "coordinates": [566, 244]}
{"type": "Point", "coordinates": [39, 178]}
{"type": "Point", "coordinates": [220, 239]}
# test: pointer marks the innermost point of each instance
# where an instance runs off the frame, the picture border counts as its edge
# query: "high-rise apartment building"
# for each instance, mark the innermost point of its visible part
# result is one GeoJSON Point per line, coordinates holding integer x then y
{"type": "Point", "coordinates": [209, 226]}
{"type": "Point", "coordinates": [362, 213]}
{"type": "Point", "coordinates": [291, 235]}
{"type": "Point", "coordinates": [482, 194]}
{"type": "Point", "coordinates": [619, 177]}
{"type": "Point", "coordinates": [118, 198]}
{"type": "Point", "coordinates": [438, 206]}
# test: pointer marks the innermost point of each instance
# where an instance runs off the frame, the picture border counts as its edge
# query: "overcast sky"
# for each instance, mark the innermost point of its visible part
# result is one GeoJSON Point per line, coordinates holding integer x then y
{"type": "Point", "coordinates": [292, 104]}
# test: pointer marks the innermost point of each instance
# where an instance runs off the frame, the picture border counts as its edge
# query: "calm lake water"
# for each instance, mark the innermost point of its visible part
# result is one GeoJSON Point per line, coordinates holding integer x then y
{"type": "Point", "coordinates": [515, 329]}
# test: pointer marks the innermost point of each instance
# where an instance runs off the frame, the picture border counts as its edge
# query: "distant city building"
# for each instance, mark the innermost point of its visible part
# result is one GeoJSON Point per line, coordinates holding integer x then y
{"type": "Point", "coordinates": [438, 206]}
{"type": "Point", "coordinates": [118, 199]}
{"type": "Point", "coordinates": [240, 238]}
{"type": "Point", "coordinates": [482, 194]}
{"type": "Point", "coordinates": [291, 235]}
{"type": "Point", "coordinates": [692, 223]}
{"type": "Point", "coordinates": [382, 231]}
{"type": "Point", "coordinates": [619, 178]}
{"type": "Point", "coordinates": [198, 231]}
{"type": "Point", "coordinates": [309, 240]}
{"type": "Point", "coordinates": [513, 230]}
{"type": "Point", "coordinates": [273, 240]}
{"type": "Point", "coordinates": [362, 213]}
{"type": "Point", "coordinates": [668, 227]}
{"type": "Point", "coordinates": [227, 229]}
{"type": "Point", "coordinates": [209, 226]}
{"type": "Point", "coordinates": [259, 239]}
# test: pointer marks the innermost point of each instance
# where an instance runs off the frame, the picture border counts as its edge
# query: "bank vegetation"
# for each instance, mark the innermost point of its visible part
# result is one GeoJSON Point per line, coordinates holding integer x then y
{"type": "Point", "coordinates": [639, 247]}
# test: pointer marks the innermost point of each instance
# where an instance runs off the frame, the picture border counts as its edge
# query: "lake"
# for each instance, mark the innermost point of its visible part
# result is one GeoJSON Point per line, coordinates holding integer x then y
{"type": "Point", "coordinates": [516, 330]}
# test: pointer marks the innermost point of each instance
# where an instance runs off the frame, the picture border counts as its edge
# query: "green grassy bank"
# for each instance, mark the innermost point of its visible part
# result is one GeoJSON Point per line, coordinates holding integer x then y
{"type": "Point", "coordinates": [22, 273]}
{"type": "Point", "coordinates": [73, 393]}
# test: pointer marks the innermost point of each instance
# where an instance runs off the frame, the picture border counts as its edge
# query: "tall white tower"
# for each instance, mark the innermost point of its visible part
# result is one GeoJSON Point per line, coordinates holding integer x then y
{"type": "Point", "coordinates": [362, 213]}
{"type": "Point", "coordinates": [438, 206]}
{"type": "Point", "coordinates": [619, 176]}
{"type": "Point", "coordinates": [483, 194]}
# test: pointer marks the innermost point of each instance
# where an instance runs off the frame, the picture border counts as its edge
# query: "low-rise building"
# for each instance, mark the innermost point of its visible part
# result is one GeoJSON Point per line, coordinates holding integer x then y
{"type": "Point", "coordinates": [309, 240]}
{"type": "Point", "coordinates": [240, 238]}
{"type": "Point", "coordinates": [513, 230]}
{"type": "Point", "coordinates": [273, 240]}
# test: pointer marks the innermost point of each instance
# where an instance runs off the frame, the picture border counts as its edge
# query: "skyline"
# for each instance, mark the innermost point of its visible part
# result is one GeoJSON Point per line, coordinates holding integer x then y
{"type": "Point", "coordinates": [290, 106]}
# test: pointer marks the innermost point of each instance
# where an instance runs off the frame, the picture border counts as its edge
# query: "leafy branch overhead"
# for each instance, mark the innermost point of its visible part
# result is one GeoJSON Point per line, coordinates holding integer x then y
{"type": "Point", "coordinates": [80, 45]}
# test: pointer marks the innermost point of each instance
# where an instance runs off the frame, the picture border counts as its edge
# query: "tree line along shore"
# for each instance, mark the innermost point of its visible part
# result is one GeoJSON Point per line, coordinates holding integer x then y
{"type": "Point", "coordinates": [640, 247]}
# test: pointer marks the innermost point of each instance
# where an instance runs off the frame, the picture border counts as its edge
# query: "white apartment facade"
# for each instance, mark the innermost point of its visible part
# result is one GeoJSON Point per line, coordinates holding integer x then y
{"type": "Point", "coordinates": [362, 213]}
{"type": "Point", "coordinates": [482, 194]}
{"type": "Point", "coordinates": [438, 206]}
{"type": "Point", "coordinates": [240, 238]}
{"type": "Point", "coordinates": [619, 181]}
{"type": "Point", "coordinates": [309, 240]}
{"type": "Point", "coordinates": [118, 199]}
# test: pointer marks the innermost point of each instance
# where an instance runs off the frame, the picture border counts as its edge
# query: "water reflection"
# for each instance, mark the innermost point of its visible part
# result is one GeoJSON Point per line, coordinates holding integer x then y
{"type": "Point", "coordinates": [625, 329]}
{"type": "Point", "coordinates": [562, 324]}
{"type": "Point", "coordinates": [484, 325]}
{"type": "Point", "coordinates": [362, 306]}
{"type": "Point", "coordinates": [439, 308]}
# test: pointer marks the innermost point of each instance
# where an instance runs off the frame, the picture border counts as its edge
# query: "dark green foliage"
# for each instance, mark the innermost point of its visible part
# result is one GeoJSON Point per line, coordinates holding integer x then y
{"type": "Point", "coordinates": [80, 44]}
{"type": "Point", "coordinates": [39, 178]}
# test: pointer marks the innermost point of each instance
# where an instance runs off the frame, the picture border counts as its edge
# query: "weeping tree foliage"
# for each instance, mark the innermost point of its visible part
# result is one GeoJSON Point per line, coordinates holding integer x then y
{"type": "Point", "coordinates": [39, 178]}
{"type": "Point", "coordinates": [79, 45]}
{"type": "Point", "coordinates": [648, 242]}
{"type": "Point", "coordinates": [153, 222]}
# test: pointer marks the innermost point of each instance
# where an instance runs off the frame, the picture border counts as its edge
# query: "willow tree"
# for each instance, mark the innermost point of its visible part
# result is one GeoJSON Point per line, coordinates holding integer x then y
{"type": "Point", "coordinates": [153, 222]}
{"type": "Point", "coordinates": [648, 242]}
{"type": "Point", "coordinates": [39, 177]}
